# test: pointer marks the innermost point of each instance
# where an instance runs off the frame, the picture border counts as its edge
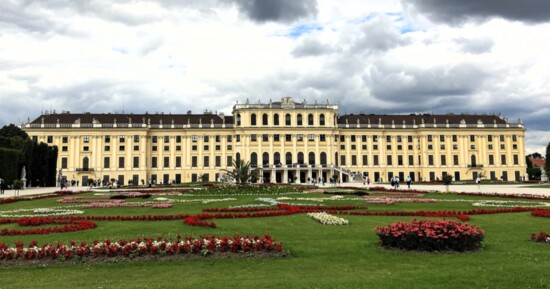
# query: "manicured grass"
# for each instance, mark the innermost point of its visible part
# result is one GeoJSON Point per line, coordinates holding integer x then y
{"type": "Point", "coordinates": [320, 256]}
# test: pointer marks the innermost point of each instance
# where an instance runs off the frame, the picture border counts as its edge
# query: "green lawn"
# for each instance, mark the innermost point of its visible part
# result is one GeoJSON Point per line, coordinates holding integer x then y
{"type": "Point", "coordinates": [320, 256]}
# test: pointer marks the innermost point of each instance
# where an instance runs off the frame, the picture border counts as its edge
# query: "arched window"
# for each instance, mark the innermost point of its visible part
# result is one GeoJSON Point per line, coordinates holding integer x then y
{"type": "Point", "coordinates": [474, 163]}
{"type": "Point", "coordinates": [311, 158]}
{"type": "Point", "coordinates": [310, 119]}
{"type": "Point", "coordinates": [299, 119]}
{"type": "Point", "coordinates": [288, 159]}
{"type": "Point", "coordinates": [288, 120]}
{"type": "Point", "coordinates": [276, 158]}
{"type": "Point", "coordinates": [253, 160]}
{"type": "Point", "coordinates": [300, 158]}
{"type": "Point", "coordinates": [323, 159]}
{"type": "Point", "coordinates": [265, 159]}
{"type": "Point", "coordinates": [239, 119]}
{"type": "Point", "coordinates": [322, 119]}
{"type": "Point", "coordinates": [264, 119]}
{"type": "Point", "coordinates": [253, 119]}
{"type": "Point", "coordinates": [276, 119]}
{"type": "Point", "coordinates": [85, 163]}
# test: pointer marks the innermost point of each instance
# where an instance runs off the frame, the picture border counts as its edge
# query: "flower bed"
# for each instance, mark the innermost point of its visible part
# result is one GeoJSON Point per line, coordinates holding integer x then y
{"type": "Point", "coordinates": [40, 212]}
{"type": "Point", "coordinates": [545, 213]}
{"type": "Point", "coordinates": [204, 245]}
{"type": "Point", "coordinates": [511, 204]}
{"type": "Point", "coordinates": [328, 219]}
{"type": "Point", "coordinates": [68, 225]}
{"type": "Point", "coordinates": [117, 204]}
{"type": "Point", "coordinates": [541, 237]}
{"type": "Point", "coordinates": [428, 235]}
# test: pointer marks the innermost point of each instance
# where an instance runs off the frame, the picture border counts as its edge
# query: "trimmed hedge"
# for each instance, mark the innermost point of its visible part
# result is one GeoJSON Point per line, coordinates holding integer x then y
{"type": "Point", "coordinates": [9, 164]}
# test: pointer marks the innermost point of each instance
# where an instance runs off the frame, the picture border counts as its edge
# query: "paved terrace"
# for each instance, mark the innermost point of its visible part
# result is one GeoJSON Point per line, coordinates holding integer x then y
{"type": "Point", "coordinates": [483, 188]}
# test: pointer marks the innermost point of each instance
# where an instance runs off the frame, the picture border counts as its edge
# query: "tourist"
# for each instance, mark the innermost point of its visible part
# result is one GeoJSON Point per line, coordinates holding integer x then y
{"type": "Point", "coordinates": [1, 186]}
{"type": "Point", "coordinates": [368, 181]}
{"type": "Point", "coordinates": [396, 183]}
{"type": "Point", "coordinates": [392, 182]}
{"type": "Point", "coordinates": [478, 182]}
{"type": "Point", "coordinates": [408, 180]}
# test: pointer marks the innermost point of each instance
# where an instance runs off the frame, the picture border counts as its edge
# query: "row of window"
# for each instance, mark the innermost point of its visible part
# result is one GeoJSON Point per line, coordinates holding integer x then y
{"type": "Point", "coordinates": [288, 119]}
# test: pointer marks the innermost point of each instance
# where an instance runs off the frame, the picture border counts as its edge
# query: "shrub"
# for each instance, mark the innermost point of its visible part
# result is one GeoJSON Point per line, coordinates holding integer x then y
{"type": "Point", "coordinates": [428, 235]}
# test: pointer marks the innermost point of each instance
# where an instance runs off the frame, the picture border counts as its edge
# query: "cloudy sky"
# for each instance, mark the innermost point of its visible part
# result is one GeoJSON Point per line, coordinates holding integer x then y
{"type": "Point", "coordinates": [459, 56]}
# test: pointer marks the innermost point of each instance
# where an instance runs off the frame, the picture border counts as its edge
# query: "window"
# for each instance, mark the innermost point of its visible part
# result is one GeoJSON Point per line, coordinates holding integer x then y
{"type": "Point", "coordinates": [136, 138]}
{"type": "Point", "coordinates": [342, 147]}
{"type": "Point", "coordinates": [238, 138]}
{"type": "Point", "coordinates": [276, 137]}
{"type": "Point", "coordinates": [63, 163]}
{"type": "Point", "coordinates": [229, 147]}
{"type": "Point", "coordinates": [411, 160]}
{"type": "Point", "coordinates": [107, 148]}
{"type": "Point", "coordinates": [288, 158]}
{"type": "Point", "coordinates": [154, 162]}
{"type": "Point", "coordinates": [503, 159]}
{"type": "Point", "coordinates": [178, 148]}
{"type": "Point", "coordinates": [514, 138]}
{"type": "Point", "coordinates": [65, 139]}
{"type": "Point", "coordinates": [64, 148]}
{"type": "Point", "coordinates": [311, 137]}
{"type": "Point", "coordinates": [86, 148]}
{"type": "Point", "coordinates": [399, 139]}
{"type": "Point", "coordinates": [410, 147]}
{"type": "Point", "coordinates": [375, 147]}
{"type": "Point", "coordinates": [352, 138]}
{"type": "Point", "coordinates": [343, 160]}
{"type": "Point", "coordinates": [443, 160]}
{"type": "Point", "coordinates": [136, 148]}
{"type": "Point", "coordinates": [322, 119]}
{"type": "Point", "coordinates": [154, 148]}
{"type": "Point", "coordinates": [136, 162]}
{"type": "Point", "coordinates": [455, 160]}
{"type": "Point", "coordinates": [218, 147]}
{"type": "Point", "coordinates": [516, 160]}
{"type": "Point", "coordinates": [154, 139]}
{"type": "Point", "coordinates": [375, 138]}
{"type": "Point", "coordinates": [206, 138]}
{"type": "Point", "coordinates": [218, 161]}
{"type": "Point", "coordinates": [253, 119]}
{"type": "Point", "coordinates": [86, 139]}
{"type": "Point", "coordinates": [121, 138]}
{"type": "Point", "coordinates": [253, 160]}
{"type": "Point", "coordinates": [218, 138]}
{"type": "Point", "coordinates": [490, 146]}
{"type": "Point", "coordinates": [299, 119]}
{"type": "Point", "coordinates": [299, 137]}
{"type": "Point", "coordinates": [489, 138]}
{"type": "Point", "coordinates": [515, 146]}
{"type": "Point", "coordinates": [178, 162]}
{"type": "Point", "coordinates": [166, 139]}
{"type": "Point", "coordinates": [429, 137]}
{"type": "Point", "coordinates": [353, 160]}
{"type": "Point", "coordinates": [473, 147]}
{"type": "Point", "coordinates": [491, 160]}
{"type": "Point", "coordinates": [472, 137]}
{"type": "Point", "coordinates": [310, 119]}
{"type": "Point", "coordinates": [166, 162]}
{"type": "Point", "coordinates": [229, 161]}
{"type": "Point", "coordinates": [107, 139]}
{"type": "Point", "coordinates": [288, 119]}
{"type": "Point", "coordinates": [375, 160]}
{"type": "Point", "coordinates": [389, 160]}
{"type": "Point", "coordinates": [238, 119]}
{"type": "Point", "coordinates": [410, 138]}
{"type": "Point", "coordinates": [34, 138]}
{"type": "Point", "coordinates": [455, 146]}
{"type": "Point", "coordinates": [388, 138]}
{"type": "Point", "coordinates": [276, 119]}
{"type": "Point", "coordinates": [430, 147]}
{"type": "Point", "coordinates": [265, 137]}
{"type": "Point", "coordinates": [365, 160]}
{"type": "Point", "coordinates": [399, 160]}
{"type": "Point", "coordinates": [502, 146]}
{"type": "Point", "coordinates": [194, 161]}
{"type": "Point", "coordinates": [206, 147]}
{"type": "Point", "coordinates": [288, 137]}
{"type": "Point", "coordinates": [455, 138]}
{"type": "Point", "coordinates": [194, 138]}
{"type": "Point", "coordinates": [399, 147]}
{"type": "Point", "coordinates": [106, 162]}
{"type": "Point", "coordinates": [442, 146]}
{"type": "Point", "coordinates": [229, 138]}
{"type": "Point", "coordinates": [441, 138]}
{"type": "Point", "coordinates": [121, 162]}
{"type": "Point", "coordinates": [342, 138]}
{"type": "Point", "coordinates": [430, 160]}
{"type": "Point", "coordinates": [253, 137]}
{"type": "Point", "coordinates": [265, 119]}
{"type": "Point", "coordinates": [322, 137]}
{"type": "Point", "coordinates": [364, 138]}
{"type": "Point", "coordinates": [353, 147]}
{"type": "Point", "coordinates": [121, 148]}
{"type": "Point", "coordinates": [501, 137]}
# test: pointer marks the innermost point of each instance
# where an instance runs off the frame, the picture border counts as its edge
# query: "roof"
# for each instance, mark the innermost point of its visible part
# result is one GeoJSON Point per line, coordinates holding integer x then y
{"type": "Point", "coordinates": [155, 119]}
{"type": "Point", "coordinates": [418, 119]}
{"type": "Point", "coordinates": [537, 163]}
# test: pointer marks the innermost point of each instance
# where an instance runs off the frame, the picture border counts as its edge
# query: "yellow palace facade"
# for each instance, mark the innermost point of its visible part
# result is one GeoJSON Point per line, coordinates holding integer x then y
{"type": "Point", "coordinates": [287, 141]}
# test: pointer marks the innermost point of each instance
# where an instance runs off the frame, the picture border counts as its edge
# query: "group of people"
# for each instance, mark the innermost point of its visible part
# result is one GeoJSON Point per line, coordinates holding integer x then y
{"type": "Point", "coordinates": [395, 182]}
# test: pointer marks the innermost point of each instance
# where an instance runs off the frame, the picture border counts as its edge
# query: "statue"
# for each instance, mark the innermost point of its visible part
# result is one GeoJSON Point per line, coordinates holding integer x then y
{"type": "Point", "coordinates": [23, 177]}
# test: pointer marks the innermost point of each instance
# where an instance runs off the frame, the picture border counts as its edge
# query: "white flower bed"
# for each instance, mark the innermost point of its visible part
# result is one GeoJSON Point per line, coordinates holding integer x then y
{"type": "Point", "coordinates": [328, 219]}
{"type": "Point", "coordinates": [320, 200]}
{"type": "Point", "coordinates": [510, 204]}
{"type": "Point", "coordinates": [41, 212]}
{"type": "Point", "coordinates": [250, 206]}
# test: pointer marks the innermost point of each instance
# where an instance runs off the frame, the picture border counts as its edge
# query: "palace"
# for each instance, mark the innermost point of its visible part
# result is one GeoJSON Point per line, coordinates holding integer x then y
{"type": "Point", "coordinates": [287, 141]}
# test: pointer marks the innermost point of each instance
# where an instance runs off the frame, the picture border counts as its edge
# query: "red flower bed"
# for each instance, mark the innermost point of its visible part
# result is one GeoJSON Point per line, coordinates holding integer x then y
{"type": "Point", "coordinates": [510, 196]}
{"type": "Point", "coordinates": [545, 213]}
{"type": "Point", "coordinates": [428, 235]}
{"type": "Point", "coordinates": [69, 225]}
{"type": "Point", "coordinates": [541, 237]}
{"type": "Point", "coordinates": [141, 246]}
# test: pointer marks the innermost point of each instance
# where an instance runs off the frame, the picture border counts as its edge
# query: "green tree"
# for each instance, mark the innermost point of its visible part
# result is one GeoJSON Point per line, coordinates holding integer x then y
{"type": "Point", "coordinates": [13, 131]}
{"type": "Point", "coordinates": [241, 172]}
{"type": "Point", "coordinates": [547, 164]}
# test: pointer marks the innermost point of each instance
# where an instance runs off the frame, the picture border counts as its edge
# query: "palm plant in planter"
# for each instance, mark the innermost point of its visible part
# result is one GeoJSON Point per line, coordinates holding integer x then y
{"type": "Point", "coordinates": [241, 172]}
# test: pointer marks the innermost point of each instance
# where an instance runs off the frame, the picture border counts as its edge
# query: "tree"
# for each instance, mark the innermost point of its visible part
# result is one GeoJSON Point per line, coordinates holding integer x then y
{"type": "Point", "coordinates": [447, 180]}
{"type": "Point", "coordinates": [242, 172]}
{"type": "Point", "coordinates": [535, 155]}
{"type": "Point", "coordinates": [547, 164]}
{"type": "Point", "coordinates": [13, 131]}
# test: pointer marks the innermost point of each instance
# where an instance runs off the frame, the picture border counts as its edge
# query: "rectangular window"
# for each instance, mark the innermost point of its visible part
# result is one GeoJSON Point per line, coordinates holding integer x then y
{"type": "Point", "coordinates": [154, 162]}
{"type": "Point", "coordinates": [206, 148]}
{"type": "Point", "coordinates": [375, 147]}
{"type": "Point", "coordinates": [411, 160]}
{"type": "Point", "coordinates": [514, 138]}
{"type": "Point", "coordinates": [375, 138]}
{"type": "Point", "coordinates": [399, 138]}
{"type": "Point", "coordinates": [388, 147]}
{"type": "Point", "coordinates": [86, 148]}
{"type": "Point", "coordinates": [442, 146]}
{"type": "Point", "coordinates": [178, 148]}
{"type": "Point", "coordinates": [490, 146]}
{"type": "Point", "coordinates": [489, 138]}
{"type": "Point", "coordinates": [206, 138]}
{"type": "Point", "coordinates": [322, 137]}
{"type": "Point", "coordinates": [154, 148]}
{"type": "Point", "coordinates": [121, 162]}
{"type": "Point", "coordinates": [429, 137]}
{"type": "Point", "coordinates": [253, 137]}
{"type": "Point", "coordinates": [443, 160]}
{"type": "Point", "coordinates": [455, 146]}
{"type": "Point", "coordinates": [107, 139]}
{"type": "Point", "coordinates": [365, 160]}
{"type": "Point", "coordinates": [503, 159]}
{"type": "Point", "coordinates": [218, 161]}
{"type": "Point", "coordinates": [399, 160]}
{"type": "Point", "coordinates": [364, 138]}
{"type": "Point", "coordinates": [136, 162]}
{"type": "Point", "coordinates": [516, 160]}
{"type": "Point", "coordinates": [154, 139]}
{"type": "Point", "coordinates": [353, 160]}
{"type": "Point", "coordinates": [178, 162]}
{"type": "Point", "coordinates": [375, 160]}
{"type": "Point", "coordinates": [441, 138]}
{"type": "Point", "coordinates": [218, 138]}
{"type": "Point", "coordinates": [194, 148]}
{"type": "Point", "coordinates": [136, 148]}
{"type": "Point", "coordinates": [121, 148]}
{"type": "Point", "coordinates": [86, 139]}
{"type": "Point", "coordinates": [363, 147]}
{"type": "Point", "coordinates": [229, 138]}
{"type": "Point", "coordinates": [389, 160]}
{"type": "Point", "coordinates": [455, 160]}
{"type": "Point", "coordinates": [238, 138]}
{"type": "Point", "coordinates": [288, 137]}
{"type": "Point", "coordinates": [65, 139]}
{"type": "Point", "coordinates": [229, 147]}
{"type": "Point", "coordinates": [430, 147]}
{"type": "Point", "coordinates": [343, 160]}
{"type": "Point", "coordinates": [352, 138]}
{"type": "Point", "coordinates": [121, 138]}
{"type": "Point", "coordinates": [515, 146]}
{"type": "Point", "coordinates": [194, 138]}
{"type": "Point", "coordinates": [491, 160]}
{"type": "Point", "coordinates": [276, 137]}
{"type": "Point", "coordinates": [265, 137]}
{"type": "Point", "coordinates": [136, 138]}
{"type": "Point", "coordinates": [342, 138]}
{"type": "Point", "coordinates": [311, 137]}
{"type": "Point", "coordinates": [388, 138]}
{"type": "Point", "coordinates": [410, 138]}
{"type": "Point", "coordinates": [34, 138]}
{"type": "Point", "coordinates": [501, 137]}
{"type": "Point", "coordinates": [106, 162]}
{"type": "Point", "coordinates": [166, 162]}
{"type": "Point", "coordinates": [399, 147]}
{"type": "Point", "coordinates": [206, 162]}
{"type": "Point", "coordinates": [455, 138]}
{"type": "Point", "coordinates": [194, 161]}
{"type": "Point", "coordinates": [229, 161]}
{"type": "Point", "coordinates": [430, 160]}
{"type": "Point", "coordinates": [299, 137]}
{"type": "Point", "coordinates": [63, 163]}
{"type": "Point", "coordinates": [64, 148]}
{"type": "Point", "coordinates": [218, 147]}
{"type": "Point", "coordinates": [502, 146]}
{"type": "Point", "coordinates": [410, 147]}
{"type": "Point", "coordinates": [353, 147]}
{"type": "Point", "coordinates": [472, 137]}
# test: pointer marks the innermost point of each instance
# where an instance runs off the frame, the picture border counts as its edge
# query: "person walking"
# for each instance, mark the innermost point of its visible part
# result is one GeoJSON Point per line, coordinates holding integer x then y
{"type": "Point", "coordinates": [478, 182]}
{"type": "Point", "coordinates": [408, 180]}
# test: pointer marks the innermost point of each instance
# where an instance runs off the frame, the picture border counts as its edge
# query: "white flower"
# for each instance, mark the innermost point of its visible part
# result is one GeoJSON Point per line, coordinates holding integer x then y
{"type": "Point", "coordinates": [328, 219]}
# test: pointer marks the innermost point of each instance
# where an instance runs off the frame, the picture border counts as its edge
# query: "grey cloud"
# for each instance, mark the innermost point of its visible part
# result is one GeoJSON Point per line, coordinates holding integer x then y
{"type": "Point", "coordinates": [151, 44]}
{"type": "Point", "coordinates": [475, 46]}
{"type": "Point", "coordinates": [276, 10]}
{"type": "Point", "coordinates": [14, 15]}
{"type": "Point", "coordinates": [310, 47]}
{"type": "Point", "coordinates": [458, 11]}
{"type": "Point", "coordinates": [378, 35]}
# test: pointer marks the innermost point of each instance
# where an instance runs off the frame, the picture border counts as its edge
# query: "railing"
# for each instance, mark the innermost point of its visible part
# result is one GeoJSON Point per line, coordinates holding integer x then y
{"type": "Point", "coordinates": [84, 169]}
{"type": "Point", "coordinates": [475, 166]}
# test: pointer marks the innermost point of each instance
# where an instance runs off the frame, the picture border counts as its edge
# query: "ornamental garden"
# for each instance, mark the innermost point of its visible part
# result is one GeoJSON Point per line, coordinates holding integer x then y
{"type": "Point", "coordinates": [273, 236]}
